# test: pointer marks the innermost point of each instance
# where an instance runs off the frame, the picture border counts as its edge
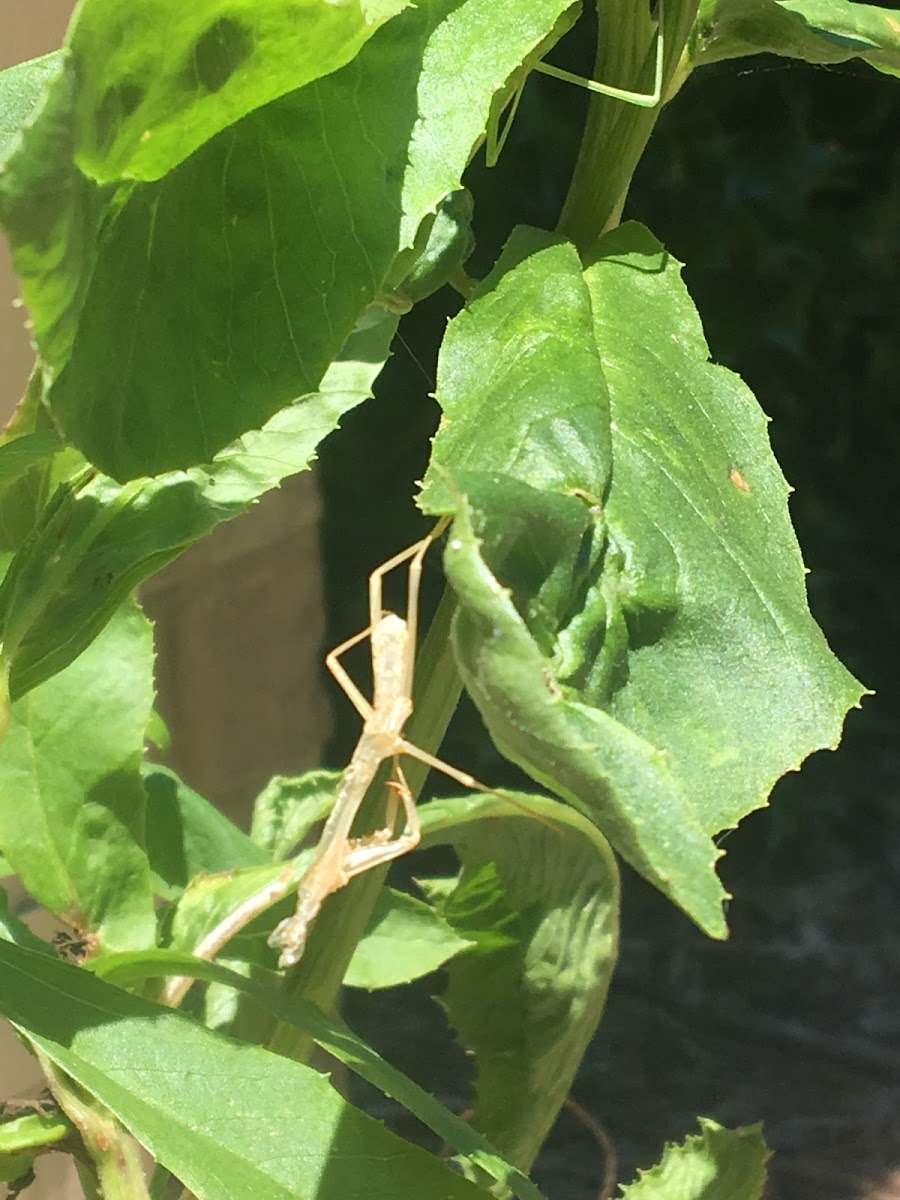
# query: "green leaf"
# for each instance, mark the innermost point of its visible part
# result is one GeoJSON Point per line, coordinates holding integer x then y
{"type": "Point", "coordinates": [109, 537]}
{"type": "Point", "coordinates": [20, 455]}
{"type": "Point", "coordinates": [232, 1121]}
{"type": "Point", "coordinates": [71, 797]}
{"type": "Point", "coordinates": [30, 1133]}
{"type": "Point", "coordinates": [404, 940]}
{"type": "Point", "coordinates": [550, 411]}
{"type": "Point", "coordinates": [539, 896]}
{"type": "Point", "coordinates": [333, 1036]}
{"type": "Point", "coordinates": [817, 31]}
{"type": "Point", "coordinates": [21, 88]}
{"type": "Point", "coordinates": [154, 83]}
{"type": "Point", "coordinates": [17, 1165]}
{"type": "Point", "coordinates": [641, 646]}
{"type": "Point", "coordinates": [740, 686]}
{"type": "Point", "coordinates": [276, 245]}
{"type": "Point", "coordinates": [288, 807]}
{"type": "Point", "coordinates": [715, 1164]}
{"type": "Point", "coordinates": [186, 834]}
{"type": "Point", "coordinates": [209, 899]}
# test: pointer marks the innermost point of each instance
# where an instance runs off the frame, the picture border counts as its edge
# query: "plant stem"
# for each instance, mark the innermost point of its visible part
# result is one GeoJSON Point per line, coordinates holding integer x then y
{"type": "Point", "coordinates": [114, 1155]}
{"type": "Point", "coordinates": [615, 132]}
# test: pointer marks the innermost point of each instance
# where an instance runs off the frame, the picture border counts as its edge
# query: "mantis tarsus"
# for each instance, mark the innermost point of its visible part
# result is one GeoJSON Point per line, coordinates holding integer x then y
{"type": "Point", "coordinates": [495, 140]}
{"type": "Point", "coordinates": [339, 857]}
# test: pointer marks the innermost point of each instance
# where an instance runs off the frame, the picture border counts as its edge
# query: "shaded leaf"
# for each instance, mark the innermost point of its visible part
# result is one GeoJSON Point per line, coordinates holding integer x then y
{"type": "Point", "coordinates": [539, 896]}
{"type": "Point", "coordinates": [186, 834]}
{"type": "Point", "coordinates": [20, 455]}
{"type": "Point", "coordinates": [817, 31]}
{"type": "Point", "coordinates": [71, 797]}
{"type": "Point", "coordinates": [715, 1164]}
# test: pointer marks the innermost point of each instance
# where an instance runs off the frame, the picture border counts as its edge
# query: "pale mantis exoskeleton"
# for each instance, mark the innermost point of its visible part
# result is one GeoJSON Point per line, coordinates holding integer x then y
{"type": "Point", "coordinates": [495, 140]}
{"type": "Point", "coordinates": [339, 857]}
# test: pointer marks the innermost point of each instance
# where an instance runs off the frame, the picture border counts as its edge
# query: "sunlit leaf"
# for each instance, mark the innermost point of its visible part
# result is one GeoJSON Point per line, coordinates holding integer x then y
{"type": "Point", "coordinates": [71, 796]}
{"type": "Point", "coordinates": [632, 621]}
{"type": "Point", "coordinates": [817, 31]}
{"type": "Point", "coordinates": [272, 247]}
{"type": "Point", "coordinates": [288, 807]}
{"type": "Point", "coordinates": [232, 1121]}
{"type": "Point", "coordinates": [404, 940]}
{"type": "Point", "coordinates": [715, 1164]}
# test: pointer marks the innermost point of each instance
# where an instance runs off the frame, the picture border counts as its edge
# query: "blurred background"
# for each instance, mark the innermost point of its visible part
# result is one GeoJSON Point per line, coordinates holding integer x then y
{"type": "Point", "coordinates": [778, 185]}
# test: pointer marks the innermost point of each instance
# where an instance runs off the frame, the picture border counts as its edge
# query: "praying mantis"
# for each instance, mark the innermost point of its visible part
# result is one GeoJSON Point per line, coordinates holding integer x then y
{"type": "Point", "coordinates": [509, 98]}
{"type": "Point", "coordinates": [339, 856]}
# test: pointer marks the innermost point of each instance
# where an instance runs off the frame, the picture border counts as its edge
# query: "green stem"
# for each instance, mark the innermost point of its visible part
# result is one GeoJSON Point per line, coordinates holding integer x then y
{"type": "Point", "coordinates": [320, 973]}
{"type": "Point", "coordinates": [114, 1155]}
{"type": "Point", "coordinates": [616, 133]}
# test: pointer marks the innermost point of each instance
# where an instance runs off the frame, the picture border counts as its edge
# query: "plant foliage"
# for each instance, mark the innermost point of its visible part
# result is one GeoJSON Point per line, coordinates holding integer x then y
{"type": "Point", "coordinates": [218, 213]}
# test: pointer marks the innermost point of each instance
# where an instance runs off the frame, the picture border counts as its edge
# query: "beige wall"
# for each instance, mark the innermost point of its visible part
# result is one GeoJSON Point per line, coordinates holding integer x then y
{"type": "Point", "coordinates": [238, 618]}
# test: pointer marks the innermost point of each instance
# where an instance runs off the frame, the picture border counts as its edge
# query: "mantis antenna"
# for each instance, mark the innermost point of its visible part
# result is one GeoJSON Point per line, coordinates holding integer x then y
{"type": "Point", "coordinates": [496, 141]}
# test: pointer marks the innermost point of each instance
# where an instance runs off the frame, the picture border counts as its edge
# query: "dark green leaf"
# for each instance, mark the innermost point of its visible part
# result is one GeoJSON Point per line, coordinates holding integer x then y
{"type": "Point", "coordinates": [715, 1164]}
{"type": "Point", "coordinates": [71, 797]}
{"type": "Point", "coordinates": [23, 453]}
{"type": "Point", "coordinates": [14, 930]}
